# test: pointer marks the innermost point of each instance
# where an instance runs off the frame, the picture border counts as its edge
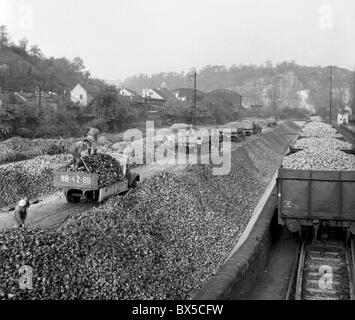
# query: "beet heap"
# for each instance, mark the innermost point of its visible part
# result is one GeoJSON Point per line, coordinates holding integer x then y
{"type": "Point", "coordinates": [106, 167]}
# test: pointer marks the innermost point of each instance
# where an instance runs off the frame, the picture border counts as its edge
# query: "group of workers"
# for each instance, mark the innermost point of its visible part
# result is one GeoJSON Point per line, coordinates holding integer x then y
{"type": "Point", "coordinates": [86, 147]}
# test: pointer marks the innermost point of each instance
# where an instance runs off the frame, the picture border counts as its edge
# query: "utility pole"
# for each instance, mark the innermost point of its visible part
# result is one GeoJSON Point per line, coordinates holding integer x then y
{"type": "Point", "coordinates": [194, 76]}
{"type": "Point", "coordinates": [330, 93]}
{"type": "Point", "coordinates": [145, 108]}
{"type": "Point", "coordinates": [63, 96]}
{"type": "Point", "coordinates": [40, 98]}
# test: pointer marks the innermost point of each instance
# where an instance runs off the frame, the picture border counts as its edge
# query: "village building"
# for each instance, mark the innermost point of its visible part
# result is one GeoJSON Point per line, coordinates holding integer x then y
{"type": "Point", "coordinates": [344, 115]}
{"type": "Point", "coordinates": [158, 95]}
{"type": "Point", "coordinates": [79, 95]}
{"type": "Point", "coordinates": [187, 94]}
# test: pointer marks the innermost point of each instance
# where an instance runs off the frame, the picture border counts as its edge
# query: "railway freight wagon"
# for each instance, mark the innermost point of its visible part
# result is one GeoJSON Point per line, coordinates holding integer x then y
{"type": "Point", "coordinates": [313, 198]}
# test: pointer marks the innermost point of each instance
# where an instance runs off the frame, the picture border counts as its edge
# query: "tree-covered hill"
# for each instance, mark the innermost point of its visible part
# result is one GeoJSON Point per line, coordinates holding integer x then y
{"type": "Point", "coordinates": [25, 67]}
{"type": "Point", "coordinates": [286, 84]}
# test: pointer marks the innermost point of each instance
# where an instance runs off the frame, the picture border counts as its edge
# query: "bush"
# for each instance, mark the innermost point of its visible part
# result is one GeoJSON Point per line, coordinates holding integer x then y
{"type": "Point", "coordinates": [26, 133]}
{"type": "Point", "coordinates": [100, 124]}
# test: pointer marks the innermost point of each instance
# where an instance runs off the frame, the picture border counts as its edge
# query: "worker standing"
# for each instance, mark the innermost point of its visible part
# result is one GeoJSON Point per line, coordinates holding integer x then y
{"type": "Point", "coordinates": [20, 214]}
{"type": "Point", "coordinates": [199, 145]}
{"type": "Point", "coordinates": [92, 136]}
{"type": "Point", "coordinates": [77, 149]}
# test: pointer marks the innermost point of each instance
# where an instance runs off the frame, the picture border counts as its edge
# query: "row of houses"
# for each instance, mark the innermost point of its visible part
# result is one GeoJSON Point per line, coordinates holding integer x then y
{"type": "Point", "coordinates": [82, 95]}
{"type": "Point", "coordinates": [159, 95]}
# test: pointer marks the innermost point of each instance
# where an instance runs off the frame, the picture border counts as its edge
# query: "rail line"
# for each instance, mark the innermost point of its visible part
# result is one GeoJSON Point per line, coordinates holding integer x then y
{"type": "Point", "coordinates": [347, 133]}
{"type": "Point", "coordinates": [325, 271]}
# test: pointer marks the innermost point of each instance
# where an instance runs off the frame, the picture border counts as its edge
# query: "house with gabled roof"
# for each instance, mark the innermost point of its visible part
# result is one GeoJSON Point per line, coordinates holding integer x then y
{"type": "Point", "coordinates": [79, 95]}
{"type": "Point", "coordinates": [127, 92]}
{"type": "Point", "coordinates": [187, 94]}
{"type": "Point", "coordinates": [158, 94]}
{"type": "Point", "coordinates": [82, 94]}
{"type": "Point", "coordinates": [131, 95]}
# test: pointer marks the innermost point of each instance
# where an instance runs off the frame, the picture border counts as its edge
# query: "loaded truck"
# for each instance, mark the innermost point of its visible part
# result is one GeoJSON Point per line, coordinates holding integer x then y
{"type": "Point", "coordinates": [81, 186]}
{"type": "Point", "coordinates": [272, 122]}
{"type": "Point", "coordinates": [251, 127]}
{"type": "Point", "coordinates": [236, 135]}
{"type": "Point", "coordinates": [248, 127]}
{"type": "Point", "coordinates": [238, 132]}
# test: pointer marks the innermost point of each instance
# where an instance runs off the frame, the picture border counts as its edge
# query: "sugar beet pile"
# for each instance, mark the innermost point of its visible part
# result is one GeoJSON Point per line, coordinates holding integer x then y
{"type": "Point", "coordinates": [107, 168]}
{"type": "Point", "coordinates": [321, 150]}
{"type": "Point", "coordinates": [31, 178]}
{"type": "Point", "coordinates": [18, 149]}
{"type": "Point", "coordinates": [161, 242]}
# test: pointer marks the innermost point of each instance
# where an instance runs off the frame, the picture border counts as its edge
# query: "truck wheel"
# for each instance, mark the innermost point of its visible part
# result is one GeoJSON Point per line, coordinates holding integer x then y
{"type": "Point", "coordinates": [135, 184]}
{"type": "Point", "coordinates": [72, 199]}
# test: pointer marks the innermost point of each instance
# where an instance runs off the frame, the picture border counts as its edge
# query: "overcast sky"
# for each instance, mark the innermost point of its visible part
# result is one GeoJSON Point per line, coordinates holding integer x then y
{"type": "Point", "coordinates": [119, 38]}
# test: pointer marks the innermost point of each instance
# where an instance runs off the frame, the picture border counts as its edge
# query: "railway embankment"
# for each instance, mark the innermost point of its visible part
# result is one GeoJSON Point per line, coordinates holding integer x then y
{"type": "Point", "coordinates": [238, 276]}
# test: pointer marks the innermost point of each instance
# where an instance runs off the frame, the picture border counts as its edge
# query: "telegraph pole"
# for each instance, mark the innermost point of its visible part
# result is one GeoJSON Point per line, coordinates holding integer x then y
{"type": "Point", "coordinates": [145, 108]}
{"type": "Point", "coordinates": [39, 98]}
{"type": "Point", "coordinates": [195, 107]}
{"type": "Point", "coordinates": [194, 75]}
{"type": "Point", "coordinates": [63, 96]}
{"type": "Point", "coordinates": [330, 93]}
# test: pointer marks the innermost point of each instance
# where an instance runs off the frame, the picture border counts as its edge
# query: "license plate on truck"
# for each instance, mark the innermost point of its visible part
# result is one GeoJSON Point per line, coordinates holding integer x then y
{"type": "Point", "coordinates": [76, 180]}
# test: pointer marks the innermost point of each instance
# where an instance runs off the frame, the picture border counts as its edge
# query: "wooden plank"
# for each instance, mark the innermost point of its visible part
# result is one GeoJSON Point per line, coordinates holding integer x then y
{"type": "Point", "coordinates": [115, 189]}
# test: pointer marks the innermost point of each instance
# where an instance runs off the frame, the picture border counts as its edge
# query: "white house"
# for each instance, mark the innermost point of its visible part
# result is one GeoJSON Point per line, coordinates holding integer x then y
{"type": "Point", "coordinates": [127, 93]}
{"type": "Point", "coordinates": [180, 98]}
{"type": "Point", "coordinates": [154, 94]}
{"type": "Point", "coordinates": [343, 115]}
{"type": "Point", "coordinates": [79, 95]}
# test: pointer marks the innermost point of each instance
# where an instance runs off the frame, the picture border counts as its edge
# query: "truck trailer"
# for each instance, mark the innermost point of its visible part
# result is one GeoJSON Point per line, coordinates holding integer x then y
{"type": "Point", "coordinates": [81, 186]}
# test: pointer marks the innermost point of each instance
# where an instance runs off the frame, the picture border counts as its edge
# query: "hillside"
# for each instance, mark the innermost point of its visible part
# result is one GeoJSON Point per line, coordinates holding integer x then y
{"type": "Point", "coordinates": [285, 85]}
{"type": "Point", "coordinates": [22, 69]}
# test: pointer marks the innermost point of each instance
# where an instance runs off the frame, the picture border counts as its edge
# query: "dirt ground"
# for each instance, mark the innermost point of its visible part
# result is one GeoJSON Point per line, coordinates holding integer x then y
{"type": "Point", "coordinates": [53, 210]}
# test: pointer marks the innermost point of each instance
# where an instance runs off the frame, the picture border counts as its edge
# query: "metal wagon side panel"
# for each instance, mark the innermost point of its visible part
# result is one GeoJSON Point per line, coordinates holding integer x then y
{"type": "Point", "coordinates": [323, 195]}
{"type": "Point", "coordinates": [348, 185]}
{"type": "Point", "coordinates": [293, 186]}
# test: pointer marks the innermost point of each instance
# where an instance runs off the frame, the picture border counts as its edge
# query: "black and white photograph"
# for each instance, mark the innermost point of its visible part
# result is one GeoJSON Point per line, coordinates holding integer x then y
{"type": "Point", "coordinates": [173, 156]}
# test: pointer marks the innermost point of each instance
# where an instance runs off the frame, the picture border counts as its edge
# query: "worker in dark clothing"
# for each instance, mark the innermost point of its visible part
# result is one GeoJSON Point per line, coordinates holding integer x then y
{"type": "Point", "coordinates": [199, 145]}
{"type": "Point", "coordinates": [92, 136]}
{"type": "Point", "coordinates": [21, 211]}
{"type": "Point", "coordinates": [76, 150]}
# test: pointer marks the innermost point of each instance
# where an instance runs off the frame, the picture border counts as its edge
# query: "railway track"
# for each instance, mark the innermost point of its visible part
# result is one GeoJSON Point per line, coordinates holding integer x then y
{"type": "Point", "coordinates": [325, 271]}
{"type": "Point", "coordinates": [347, 133]}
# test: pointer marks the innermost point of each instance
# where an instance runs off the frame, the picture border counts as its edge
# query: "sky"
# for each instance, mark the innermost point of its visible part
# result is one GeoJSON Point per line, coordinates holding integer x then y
{"type": "Point", "coordinates": [121, 38]}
